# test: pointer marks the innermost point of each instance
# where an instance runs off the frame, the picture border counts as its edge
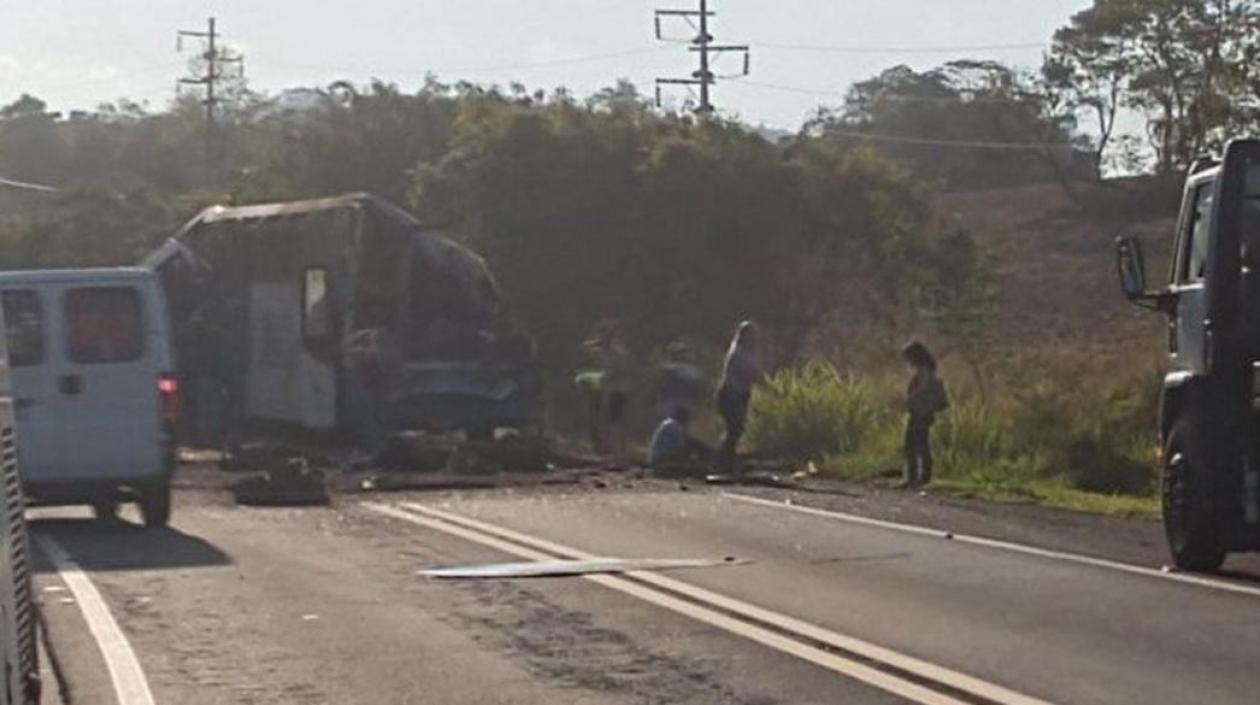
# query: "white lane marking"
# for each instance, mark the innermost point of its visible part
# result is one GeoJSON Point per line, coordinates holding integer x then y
{"type": "Point", "coordinates": [1187, 579]}
{"type": "Point", "coordinates": [852, 669]}
{"type": "Point", "coordinates": [130, 685]}
{"type": "Point", "coordinates": [535, 548]}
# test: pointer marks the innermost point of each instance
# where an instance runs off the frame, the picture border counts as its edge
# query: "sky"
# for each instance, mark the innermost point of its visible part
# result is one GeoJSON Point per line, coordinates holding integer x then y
{"type": "Point", "coordinates": [76, 54]}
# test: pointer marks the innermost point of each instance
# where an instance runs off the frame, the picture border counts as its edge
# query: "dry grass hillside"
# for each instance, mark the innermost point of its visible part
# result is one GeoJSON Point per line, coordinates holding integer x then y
{"type": "Point", "coordinates": [1056, 266]}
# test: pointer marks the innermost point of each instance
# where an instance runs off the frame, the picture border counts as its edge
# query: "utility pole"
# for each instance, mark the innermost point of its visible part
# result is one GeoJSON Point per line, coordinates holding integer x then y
{"type": "Point", "coordinates": [215, 59]}
{"type": "Point", "coordinates": [704, 47]}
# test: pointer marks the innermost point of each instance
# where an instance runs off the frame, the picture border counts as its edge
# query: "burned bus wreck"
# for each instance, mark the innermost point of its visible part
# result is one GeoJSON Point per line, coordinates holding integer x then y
{"type": "Point", "coordinates": [341, 318]}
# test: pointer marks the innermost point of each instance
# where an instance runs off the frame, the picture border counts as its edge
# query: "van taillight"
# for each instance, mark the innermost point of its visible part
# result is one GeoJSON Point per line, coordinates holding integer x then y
{"type": "Point", "coordinates": [168, 396]}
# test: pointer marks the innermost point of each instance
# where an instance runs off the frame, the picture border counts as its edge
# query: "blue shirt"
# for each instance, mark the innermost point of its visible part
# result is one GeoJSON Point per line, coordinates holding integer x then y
{"type": "Point", "coordinates": [669, 442]}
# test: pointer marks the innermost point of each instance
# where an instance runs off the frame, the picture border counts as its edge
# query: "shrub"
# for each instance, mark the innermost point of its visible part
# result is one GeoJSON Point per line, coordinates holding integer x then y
{"type": "Point", "coordinates": [1047, 432]}
{"type": "Point", "coordinates": [813, 411]}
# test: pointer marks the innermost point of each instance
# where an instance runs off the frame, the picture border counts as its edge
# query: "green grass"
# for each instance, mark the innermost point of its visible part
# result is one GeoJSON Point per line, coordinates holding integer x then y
{"type": "Point", "coordinates": [1063, 442]}
{"type": "Point", "coordinates": [1052, 493]}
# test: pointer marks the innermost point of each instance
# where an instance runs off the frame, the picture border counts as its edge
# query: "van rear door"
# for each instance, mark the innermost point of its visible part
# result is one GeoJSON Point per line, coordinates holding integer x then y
{"type": "Point", "coordinates": [107, 381]}
{"type": "Point", "coordinates": [32, 364]}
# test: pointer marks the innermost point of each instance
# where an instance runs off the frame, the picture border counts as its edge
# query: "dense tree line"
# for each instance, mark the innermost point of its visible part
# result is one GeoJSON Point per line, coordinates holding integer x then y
{"type": "Point", "coordinates": [586, 209]}
{"type": "Point", "coordinates": [1185, 69]}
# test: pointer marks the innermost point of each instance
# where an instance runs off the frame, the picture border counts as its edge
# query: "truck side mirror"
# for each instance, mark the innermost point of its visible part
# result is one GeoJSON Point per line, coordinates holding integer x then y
{"type": "Point", "coordinates": [1131, 265]}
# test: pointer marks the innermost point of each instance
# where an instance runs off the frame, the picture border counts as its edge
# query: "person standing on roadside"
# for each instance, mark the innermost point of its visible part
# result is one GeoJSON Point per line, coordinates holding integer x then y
{"type": "Point", "coordinates": [740, 373]}
{"type": "Point", "coordinates": [925, 398]}
{"type": "Point", "coordinates": [607, 389]}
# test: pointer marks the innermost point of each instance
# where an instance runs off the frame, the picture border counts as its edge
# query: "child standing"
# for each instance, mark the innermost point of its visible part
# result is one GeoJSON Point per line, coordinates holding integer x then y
{"type": "Point", "coordinates": [925, 398]}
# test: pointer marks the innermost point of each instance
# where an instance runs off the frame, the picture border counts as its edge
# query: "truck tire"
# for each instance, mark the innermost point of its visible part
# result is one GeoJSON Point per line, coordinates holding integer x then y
{"type": "Point", "coordinates": [1194, 535]}
{"type": "Point", "coordinates": [155, 504]}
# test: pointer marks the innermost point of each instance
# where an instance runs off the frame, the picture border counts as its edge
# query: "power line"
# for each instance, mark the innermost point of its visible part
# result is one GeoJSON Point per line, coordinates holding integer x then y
{"type": "Point", "coordinates": [215, 58]}
{"type": "Point", "coordinates": [567, 61]}
{"type": "Point", "coordinates": [559, 62]}
{"type": "Point", "coordinates": [705, 49]}
{"type": "Point", "coordinates": [100, 80]}
{"type": "Point", "coordinates": [854, 49]}
{"type": "Point", "coordinates": [964, 144]}
{"type": "Point", "coordinates": [890, 96]}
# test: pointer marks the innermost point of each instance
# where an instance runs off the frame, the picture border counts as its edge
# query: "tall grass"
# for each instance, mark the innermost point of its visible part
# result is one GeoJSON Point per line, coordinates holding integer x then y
{"type": "Point", "coordinates": [814, 411]}
{"type": "Point", "coordinates": [1046, 437]}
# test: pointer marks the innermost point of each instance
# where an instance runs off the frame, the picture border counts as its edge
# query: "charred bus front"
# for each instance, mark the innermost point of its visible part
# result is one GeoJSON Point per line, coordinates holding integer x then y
{"type": "Point", "coordinates": [340, 317]}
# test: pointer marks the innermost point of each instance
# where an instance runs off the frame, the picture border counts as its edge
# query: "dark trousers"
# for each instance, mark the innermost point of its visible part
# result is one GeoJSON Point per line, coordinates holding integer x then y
{"type": "Point", "coordinates": [732, 405]}
{"type": "Point", "coordinates": [919, 449]}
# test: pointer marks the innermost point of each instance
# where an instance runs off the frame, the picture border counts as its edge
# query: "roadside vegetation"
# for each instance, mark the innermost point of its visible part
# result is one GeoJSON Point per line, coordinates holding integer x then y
{"type": "Point", "coordinates": [1053, 436]}
{"type": "Point", "coordinates": [844, 239]}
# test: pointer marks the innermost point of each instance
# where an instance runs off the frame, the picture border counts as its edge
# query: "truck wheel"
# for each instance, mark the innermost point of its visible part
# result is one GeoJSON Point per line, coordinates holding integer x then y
{"type": "Point", "coordinates": [155, 504]}
{"type": "Point", "coordinates": [105, 509]}
{"type": "Point", "coordinates": [1194, 537]}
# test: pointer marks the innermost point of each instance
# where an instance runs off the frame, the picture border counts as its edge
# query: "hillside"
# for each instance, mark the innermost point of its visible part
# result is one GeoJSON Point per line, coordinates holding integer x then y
{"type": "Point", "coordinates": [1056, 264]}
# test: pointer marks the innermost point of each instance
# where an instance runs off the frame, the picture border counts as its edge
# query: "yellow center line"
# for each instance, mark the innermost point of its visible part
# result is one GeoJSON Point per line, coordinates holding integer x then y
{"type": "Point", "coordinates": [533, 548]}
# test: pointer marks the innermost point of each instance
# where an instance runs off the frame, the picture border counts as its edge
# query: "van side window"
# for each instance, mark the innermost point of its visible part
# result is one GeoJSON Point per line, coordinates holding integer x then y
{"type": "Point", "coordinates": [1194, 257]}
{"type": "Point", "coordinates": [315, 319]}
{"type": "Point", "coordinates": [24, 327]}
{"type": "Point", "coordinates": [104, 324]}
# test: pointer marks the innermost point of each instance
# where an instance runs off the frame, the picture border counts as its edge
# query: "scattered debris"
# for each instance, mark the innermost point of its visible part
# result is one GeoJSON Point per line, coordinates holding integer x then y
{"type": "Point", "coordinates": [862, 559]}
{"type": "Point", "coordinates": [560, 568]}
{"type": "Point", "coordinates": [262, 455]}
{"type": "Point", "coordinates": [294, 483]}
{"type": "Point", "coordinates": [810, 471]}
{"type": "Point", "coordinates": [682, 471]}
{"type": "Point", "coordinates": [759, 479]}
{"type": "Point", "coordinates": [199, 456]}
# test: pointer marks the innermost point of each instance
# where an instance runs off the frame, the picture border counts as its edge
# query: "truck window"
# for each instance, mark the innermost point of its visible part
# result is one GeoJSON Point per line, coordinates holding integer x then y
{"type": "Point", "coordinates": [315, 322]}
{"type": "Point", "coordinates": [24, 327]}
{"type": "Point", "coordinates": [104, 324]}
{"type": "Point", "coordinates": [1194, 255]}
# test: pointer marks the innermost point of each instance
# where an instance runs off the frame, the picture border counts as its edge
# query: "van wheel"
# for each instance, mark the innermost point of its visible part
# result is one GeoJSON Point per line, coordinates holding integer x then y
{"type": "Point", "coordinates": [1194, 537]}
{"type": "Point", "coordinates": [105, 509]}
{"type": "Point", "coordinates": [155, 504]}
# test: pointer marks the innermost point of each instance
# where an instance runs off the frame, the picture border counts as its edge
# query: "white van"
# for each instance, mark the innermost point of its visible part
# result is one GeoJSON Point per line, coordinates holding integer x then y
{"type": "Point", "coordinates": [92, 362]}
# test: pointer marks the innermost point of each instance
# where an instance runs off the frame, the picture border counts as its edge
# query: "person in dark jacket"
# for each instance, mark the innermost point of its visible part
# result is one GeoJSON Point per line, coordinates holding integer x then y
{"type": "Point", "coordinates": [740, 373]}
{"type": "Point", "coordinates": [925, 398]}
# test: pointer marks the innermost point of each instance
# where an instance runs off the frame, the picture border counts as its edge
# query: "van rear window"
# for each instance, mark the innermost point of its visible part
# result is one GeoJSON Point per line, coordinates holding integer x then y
{"type": "Point", "coordinates": [104, 324]}
{"type": "Point", "coordinates": [24, 327]}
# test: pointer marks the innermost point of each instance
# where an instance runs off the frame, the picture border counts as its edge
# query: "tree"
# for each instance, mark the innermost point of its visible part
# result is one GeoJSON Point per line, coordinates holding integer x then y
{"type": "Point", "coordinates": [1185, 63]}
{"type": "Point", "coordinates": [913, 116]}
{"type": "Point", "coordinates": [1093, 74]}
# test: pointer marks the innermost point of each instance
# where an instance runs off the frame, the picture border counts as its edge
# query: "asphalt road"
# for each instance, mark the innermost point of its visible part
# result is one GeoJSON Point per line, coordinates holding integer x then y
{"type": "Point", "coordinates": [324, 606]}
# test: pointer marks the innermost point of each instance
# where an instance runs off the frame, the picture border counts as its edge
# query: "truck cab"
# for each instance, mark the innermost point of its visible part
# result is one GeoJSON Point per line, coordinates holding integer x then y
{"type": "Point", "coordinates": [1209, 424]}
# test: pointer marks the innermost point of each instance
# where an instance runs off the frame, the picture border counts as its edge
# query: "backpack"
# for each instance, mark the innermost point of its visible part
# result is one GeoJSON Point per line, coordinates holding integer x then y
{"type": "Point", "coordinates": [937, 398]}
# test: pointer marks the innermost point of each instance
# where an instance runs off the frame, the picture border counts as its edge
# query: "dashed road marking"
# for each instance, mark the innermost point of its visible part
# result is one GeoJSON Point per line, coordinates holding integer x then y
{"type": "Point", "coordinates": [130, 685]}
